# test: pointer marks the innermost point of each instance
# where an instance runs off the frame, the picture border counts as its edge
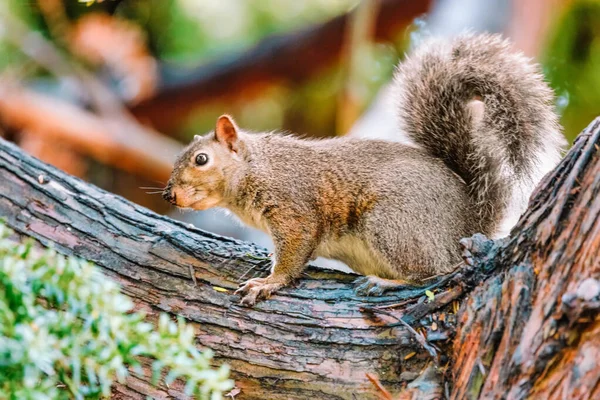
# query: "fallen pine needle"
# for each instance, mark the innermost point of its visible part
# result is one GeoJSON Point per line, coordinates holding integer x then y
{"type": "Point", "coordinates": [383, 391]}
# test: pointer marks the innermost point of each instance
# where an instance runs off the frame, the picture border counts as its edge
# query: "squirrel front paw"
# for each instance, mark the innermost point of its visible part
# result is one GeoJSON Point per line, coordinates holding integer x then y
{"type": "Point", "coordinates": [258, 288]}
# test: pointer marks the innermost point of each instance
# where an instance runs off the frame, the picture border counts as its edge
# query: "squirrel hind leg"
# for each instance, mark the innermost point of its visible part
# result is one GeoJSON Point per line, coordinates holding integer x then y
{"type": "Point", "coordinates": [372, 285]}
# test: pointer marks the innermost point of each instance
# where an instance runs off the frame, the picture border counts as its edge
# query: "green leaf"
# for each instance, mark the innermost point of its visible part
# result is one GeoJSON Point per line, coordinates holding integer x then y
{"type": "Point", "coordinates": [430, 295]}
{"type": "Point", "coordinates": [64, 325]}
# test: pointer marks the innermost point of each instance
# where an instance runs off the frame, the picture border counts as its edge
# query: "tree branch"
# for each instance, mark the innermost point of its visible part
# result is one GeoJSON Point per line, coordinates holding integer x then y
{"type": "Point", "coordinates": [114, 141]}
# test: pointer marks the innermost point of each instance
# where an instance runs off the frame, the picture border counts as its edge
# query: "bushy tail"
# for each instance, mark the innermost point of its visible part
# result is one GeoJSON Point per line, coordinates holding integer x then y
{"type": "Point", "coordinates": [485, 110]}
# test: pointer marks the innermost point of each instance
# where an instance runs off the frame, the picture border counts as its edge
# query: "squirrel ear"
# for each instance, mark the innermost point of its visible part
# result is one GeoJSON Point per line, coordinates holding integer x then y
{"type": "Point", "coordinates": [226, 132]}
{"type": "Point", "coordinates": [477, 109]}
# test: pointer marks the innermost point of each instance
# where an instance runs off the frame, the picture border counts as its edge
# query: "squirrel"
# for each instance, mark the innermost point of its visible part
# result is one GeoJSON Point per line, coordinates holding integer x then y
{"type": "Point", "coordinates": [481, 130]}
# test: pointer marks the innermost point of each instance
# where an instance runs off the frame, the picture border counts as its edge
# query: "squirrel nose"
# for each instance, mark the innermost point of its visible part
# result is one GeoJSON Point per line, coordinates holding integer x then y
{"type": "Point", "coordinates": [169, 195]}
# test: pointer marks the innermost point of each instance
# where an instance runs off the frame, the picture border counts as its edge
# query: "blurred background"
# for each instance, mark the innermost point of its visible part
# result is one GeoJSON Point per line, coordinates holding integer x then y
{"type": "Point", "coordinates": [111, 90]}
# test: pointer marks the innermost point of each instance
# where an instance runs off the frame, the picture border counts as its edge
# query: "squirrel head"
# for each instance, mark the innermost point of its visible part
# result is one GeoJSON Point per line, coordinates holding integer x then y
{"type": "Point", "coordinates": [204, 167]}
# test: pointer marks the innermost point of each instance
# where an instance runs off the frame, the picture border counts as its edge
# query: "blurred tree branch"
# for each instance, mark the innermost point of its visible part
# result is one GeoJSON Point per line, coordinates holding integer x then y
{"type": "Point", "coordinates": [357, 45]}
{"type": "Point", "coordinates": [113, 136]}
{"type": "Point", "coordinates": [531, 21]}
{"type": "Point", "coordinates": [292, 57]}
{"type": "Point", "coordinates": [48, 56]}
{"type": "Point", "coordinates": [128, 146]}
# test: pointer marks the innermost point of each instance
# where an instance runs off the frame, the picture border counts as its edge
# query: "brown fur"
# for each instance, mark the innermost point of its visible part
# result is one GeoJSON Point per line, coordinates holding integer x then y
{"type": "Point", "coordinates": [385, 209]}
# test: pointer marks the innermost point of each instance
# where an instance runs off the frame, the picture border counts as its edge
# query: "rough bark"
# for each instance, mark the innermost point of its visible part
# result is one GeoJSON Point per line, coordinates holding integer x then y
{"type": "Point", "coordinates": [529, 326]}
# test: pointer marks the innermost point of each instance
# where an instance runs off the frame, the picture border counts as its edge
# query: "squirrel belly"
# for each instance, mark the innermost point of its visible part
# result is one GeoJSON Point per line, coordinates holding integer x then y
{"type": "Point", "coordinates": [483, 131]}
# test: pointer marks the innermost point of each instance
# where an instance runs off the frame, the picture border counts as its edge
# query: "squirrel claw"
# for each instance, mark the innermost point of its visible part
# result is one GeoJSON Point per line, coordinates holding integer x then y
{"type": "Point", "coordinates": [365, 287]}
{"type": "Point", "coordinates": [374, 286]}
{"type": "Point", "coordinates": [256, 289]}
{"type": "Point", "coordinates": [253, 282]}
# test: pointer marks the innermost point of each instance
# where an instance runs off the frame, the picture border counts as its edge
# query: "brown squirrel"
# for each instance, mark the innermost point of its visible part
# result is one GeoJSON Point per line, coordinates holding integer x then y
{"type": "Point", "coordinates": [483, 130]}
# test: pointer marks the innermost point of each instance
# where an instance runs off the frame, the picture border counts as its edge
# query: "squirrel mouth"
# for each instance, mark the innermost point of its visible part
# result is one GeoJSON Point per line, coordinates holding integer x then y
{"type": "Point", "coordinates": [203, 204]}
{"type": "Point", "coordinates": [198, 205]}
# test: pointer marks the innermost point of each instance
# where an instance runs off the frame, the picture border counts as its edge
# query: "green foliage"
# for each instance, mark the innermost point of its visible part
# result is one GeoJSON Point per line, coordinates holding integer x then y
{"type": "Point", "coordinates": [191, 31]}
{"type": "Point", "coordinates": [572, 65]}
{"type": "Point", "coordinates": [67, 332]}
{"type": "Point", "coordinates": [430, 295]}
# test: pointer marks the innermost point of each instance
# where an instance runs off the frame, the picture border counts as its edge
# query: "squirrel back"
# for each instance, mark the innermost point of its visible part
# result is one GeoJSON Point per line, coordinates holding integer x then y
{"type": "Point", "coordinates": [486, 111]}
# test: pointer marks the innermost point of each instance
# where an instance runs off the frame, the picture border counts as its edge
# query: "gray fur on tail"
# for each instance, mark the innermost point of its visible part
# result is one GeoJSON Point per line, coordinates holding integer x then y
{"type": "Point", "coordinates": [485, 110]}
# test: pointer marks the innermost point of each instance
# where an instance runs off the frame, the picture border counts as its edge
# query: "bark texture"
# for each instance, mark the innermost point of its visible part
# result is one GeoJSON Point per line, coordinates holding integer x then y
{"type": "Point", "coordinates": [528, 326]}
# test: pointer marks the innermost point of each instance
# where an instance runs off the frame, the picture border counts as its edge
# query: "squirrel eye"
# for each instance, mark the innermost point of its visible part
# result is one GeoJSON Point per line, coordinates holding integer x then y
{"type": "Point", "coordinates": [201, 159]}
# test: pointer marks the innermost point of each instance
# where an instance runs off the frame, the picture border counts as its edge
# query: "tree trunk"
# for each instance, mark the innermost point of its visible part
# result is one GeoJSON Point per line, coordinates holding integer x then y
{"type": "Point", "coordinates": [529, 326]}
